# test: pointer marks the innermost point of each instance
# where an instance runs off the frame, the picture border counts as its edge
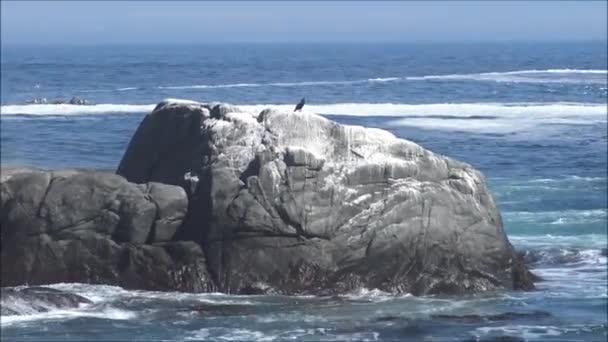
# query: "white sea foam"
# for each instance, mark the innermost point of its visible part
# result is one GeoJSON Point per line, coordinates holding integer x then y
{"type": "Point", "coordinates": [588, 76]}
{"type": "Point", "coordinates": [224, 334]}
{"type": "Point", "coordinates": [69, 109]}
{"type": "Point", "coordinates": [572, 257]}
{"type": "Point", "coordinates": [558, 217]}
{"type": "Point", "coordinates": [525, 331]}
{"type": "Point", "coordinates": [471, 117]}
{"type": "Point", "coordinates": [566, 178]}
{"type": "Point", "coordinates": [534, 118]}
{"type": "Point", "coordinates": [457, 110]}
{"type": "Point", "coordinates": [595, 241]}
{"type": "Point", "coordinates": [272, 84]}
{"type": "Point", "coordinates": [108, 293]}
{"type": "Point", "coordinates": [373, 295]}
{"type": "Point", "coordinates": [384, 79]}
{"type": "Point", "coordinates": [104, 313]}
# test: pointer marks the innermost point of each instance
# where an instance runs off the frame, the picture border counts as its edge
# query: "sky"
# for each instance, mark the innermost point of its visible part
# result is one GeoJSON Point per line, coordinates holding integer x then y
{"type": "Point", "coordinates": [143, 22]}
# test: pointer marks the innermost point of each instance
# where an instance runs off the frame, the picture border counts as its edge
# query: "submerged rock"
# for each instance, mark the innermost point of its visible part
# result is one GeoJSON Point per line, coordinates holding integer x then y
{"type": "Point", "coordinates": [505, 316]}
{"type": "Point", "coordinates": [93, 227]}
{"type": "Point", "coordinates": [78, 101]}
{"type": "Point", "coordinates": [291, 203]}
{"type": "Point", "coordinates": [30, 300]}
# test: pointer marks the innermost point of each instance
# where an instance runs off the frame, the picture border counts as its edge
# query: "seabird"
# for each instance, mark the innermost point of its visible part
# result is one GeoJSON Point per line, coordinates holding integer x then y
{"type": "Point", "coordinates": [300, 105]}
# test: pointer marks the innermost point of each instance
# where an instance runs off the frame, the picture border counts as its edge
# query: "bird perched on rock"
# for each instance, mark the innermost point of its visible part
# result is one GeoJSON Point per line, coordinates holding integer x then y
{"type": "Point", "coordinates": [300, 105]}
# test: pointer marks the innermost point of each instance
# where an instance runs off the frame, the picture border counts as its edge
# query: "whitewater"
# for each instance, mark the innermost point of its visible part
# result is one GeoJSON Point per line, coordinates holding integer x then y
{"type": "Point", "coordinates": [588, 76]}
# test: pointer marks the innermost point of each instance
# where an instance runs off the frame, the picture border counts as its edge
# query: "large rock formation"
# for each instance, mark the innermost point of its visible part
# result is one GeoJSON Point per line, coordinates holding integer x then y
{"type": "Point", "coordinates": [93, 227]}
{"type": "Point", "coordinates": [271, 202]}
{"type": "Point", "coordinates": [295, 203]}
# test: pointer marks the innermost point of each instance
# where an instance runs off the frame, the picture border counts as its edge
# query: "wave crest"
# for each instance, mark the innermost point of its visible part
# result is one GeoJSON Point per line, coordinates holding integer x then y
{"type": "Point", "coordinates": [586, 76]}
{"type": "Point", "coordinates": [495, 118]}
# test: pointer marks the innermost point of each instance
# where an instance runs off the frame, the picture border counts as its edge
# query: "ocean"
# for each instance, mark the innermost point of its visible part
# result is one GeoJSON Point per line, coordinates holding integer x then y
{"type": "Point", "coordinates": [531, 116]}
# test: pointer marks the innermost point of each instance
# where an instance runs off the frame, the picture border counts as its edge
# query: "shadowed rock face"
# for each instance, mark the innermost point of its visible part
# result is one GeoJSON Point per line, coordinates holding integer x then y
{"type": "Point", "coordinates": [295, 203]}
{"type": "Point", "coordinates": [93, 227]}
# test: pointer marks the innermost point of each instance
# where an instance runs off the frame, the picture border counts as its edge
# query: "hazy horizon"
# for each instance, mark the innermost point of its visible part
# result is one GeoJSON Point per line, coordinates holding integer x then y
{"type": "Point", "coordinates": [202, 23]}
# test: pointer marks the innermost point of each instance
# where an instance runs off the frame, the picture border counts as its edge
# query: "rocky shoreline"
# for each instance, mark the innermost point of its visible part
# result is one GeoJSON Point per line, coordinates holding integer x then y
{"type": "Point", "coordinates": [210, 198]}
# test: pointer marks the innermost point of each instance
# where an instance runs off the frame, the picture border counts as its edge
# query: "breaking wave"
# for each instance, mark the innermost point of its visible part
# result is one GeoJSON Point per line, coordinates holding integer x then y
{"type": "Point", "coordinates": [563, 217]}
{"type": "Point", "coordinates": [438, 110]}
{"type": "Point", "coordinates": [69, 109]}
{"type": "Point", "coordinates": [494, 118]}
{"type": "Point", "coordinates": [551, 256]}
{"type": "Point", "coordinates": [587, 76]}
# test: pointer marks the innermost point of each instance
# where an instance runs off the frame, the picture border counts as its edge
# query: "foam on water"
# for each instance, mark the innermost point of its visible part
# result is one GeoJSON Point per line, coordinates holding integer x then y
{"type": "Point", "coordinates": [525, 331]}
{"type": "Point", "coordinates": [107, 312]}
{"type": "Point", "coordinates": [373, 295]}
{"type": "Point", "coordinates": [69, 109]}
{"type": "Point", "coordinates": [505, 116]}
{"type": "Point", "coordinates": [106, 293]}
{"type": "Point", "coordinates": [586, 76]}
{"type": "Point", "coordinates": [223, 334]}
{"type": "Point", "coordinates": [550, 256]}
{"type": "Point", "coordinates": [595, 241]}
{"type": "Point", "coordinates": [566, 178]}
{"type": "Point", "coordinates": [273, 84]}
{"type": "Point", "coordinates": [558, 217]}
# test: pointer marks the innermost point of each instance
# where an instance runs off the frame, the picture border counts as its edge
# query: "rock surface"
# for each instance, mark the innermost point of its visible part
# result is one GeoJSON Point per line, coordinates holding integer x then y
{"type": "Point", "coordinates": [30, 300]}
{"type": "Point", "coordinates": [93, 227]}
{"type": "Point", "coordinates": [295, 203]}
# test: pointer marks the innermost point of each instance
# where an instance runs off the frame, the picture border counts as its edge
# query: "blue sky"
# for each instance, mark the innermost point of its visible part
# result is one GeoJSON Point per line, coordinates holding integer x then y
{"type": "Point", "coordinates": [107, 22]}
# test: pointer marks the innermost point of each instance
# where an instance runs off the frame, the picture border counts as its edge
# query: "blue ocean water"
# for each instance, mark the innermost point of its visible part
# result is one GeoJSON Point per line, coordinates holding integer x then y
{"type": "Point", "coordinates": [531, 116]}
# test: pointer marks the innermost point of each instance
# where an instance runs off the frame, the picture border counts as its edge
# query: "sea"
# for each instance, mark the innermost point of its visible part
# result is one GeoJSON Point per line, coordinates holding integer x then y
{"type": "Point", "coordinates": [531, 116]}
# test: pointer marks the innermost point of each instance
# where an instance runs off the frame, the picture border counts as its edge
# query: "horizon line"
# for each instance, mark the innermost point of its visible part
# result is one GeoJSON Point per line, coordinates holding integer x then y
{"type": "Point", "coordinates": [311, 42]}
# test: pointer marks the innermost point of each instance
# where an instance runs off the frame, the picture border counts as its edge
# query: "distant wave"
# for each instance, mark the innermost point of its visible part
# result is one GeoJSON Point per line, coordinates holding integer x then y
{"type": "Point", "coordinates": [274, 84]}
{"type": "Point", "coordinates": [557, 71]}
{"type": "Point", "coordinates": [476, 111]}
{"type": "Point", "coordinates": [68, 109]}
{"type": "Point", "coordinates": [588, 76]}
{"type": "Point", "coordinates": [109, 90]}
{"type": "Point", "coordinates": [556, 255]}
{"type": "Point", "coordinates": [523, 76]}
{"type": "Point", "coordinates": [464, 110]}
{"type": "Point", "coordinates": [590, 241]}
{"type": "Point", "coordinates": [562, 217]}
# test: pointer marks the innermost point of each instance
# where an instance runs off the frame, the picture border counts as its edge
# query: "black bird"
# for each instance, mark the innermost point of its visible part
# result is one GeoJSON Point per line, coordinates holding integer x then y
{"type": "Point", "coordinates": [300, 105]}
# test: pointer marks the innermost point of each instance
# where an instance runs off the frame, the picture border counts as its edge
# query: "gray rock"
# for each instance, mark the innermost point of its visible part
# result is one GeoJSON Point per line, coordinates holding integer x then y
{"type": "Point", "coordinates": [165, 143]}
{"type": "Point", "coordinates": [93, 227]}
{"type": "Point", "coordinates": [75, 100]}
{"type": "Point", "coordinates": [301, 204]}
{"type": "Point", "coordinates": [78, 101]}
{"type": "Point", "coordinates": [171, 206]}
{"type": "Point", "coordinates": [219, 111]}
